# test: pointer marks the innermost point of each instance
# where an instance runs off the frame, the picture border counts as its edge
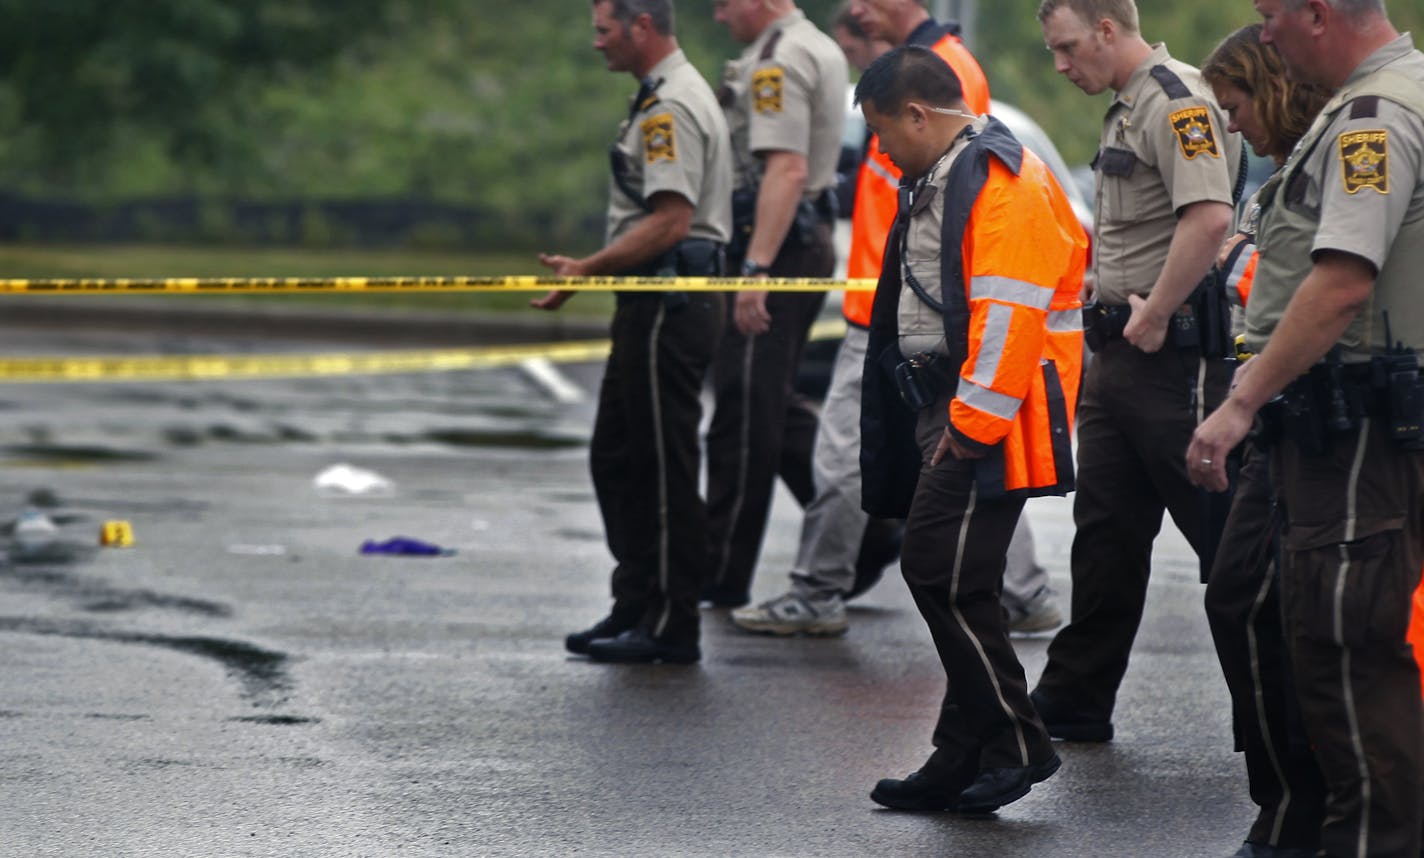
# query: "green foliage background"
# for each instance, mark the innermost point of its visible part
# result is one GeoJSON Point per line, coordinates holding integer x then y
{"type": "Point", "coordinates": [497, 105]}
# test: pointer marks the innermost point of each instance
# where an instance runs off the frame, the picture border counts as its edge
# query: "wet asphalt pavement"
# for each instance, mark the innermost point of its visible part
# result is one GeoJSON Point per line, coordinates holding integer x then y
{"type": "Point", "coordinates": [241, 682]}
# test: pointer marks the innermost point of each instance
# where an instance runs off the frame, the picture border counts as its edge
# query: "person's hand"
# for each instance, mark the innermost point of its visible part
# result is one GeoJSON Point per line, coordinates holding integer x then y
{"type": "Point", "coordinates": [948, 444]}
{"type": "Point", "coordinates": [553, 300]}
{"type": "Point", "coordinates": [1227, 246]}
{"type": "Point", "coordinates": [1243, 370]}
{"type": "Point", "coordinates": [563, 266]}
{"type": "Point", "coordinates": [1213, 441]}
{"type": "Point", "coordinates": [1143, 330]}
{"type": "Point", "coordinates": [750, 313]}
{"type": "Point", "coordinates": [1089, 290]}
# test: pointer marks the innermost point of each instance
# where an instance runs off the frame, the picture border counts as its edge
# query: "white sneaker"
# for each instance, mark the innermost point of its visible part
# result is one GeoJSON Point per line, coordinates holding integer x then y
{"type": "Point", "coordinates": [791, 614]}
{"type": "Point", "coordinates": [1039, 614]}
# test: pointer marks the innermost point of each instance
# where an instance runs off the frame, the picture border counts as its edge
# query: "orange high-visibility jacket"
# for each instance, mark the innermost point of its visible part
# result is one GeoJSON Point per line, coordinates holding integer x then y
{"type": "Point", "coordinates": [1416, 631]}
{"type": "Point", "coordinates": [1013, 328]}
{"type": "Point", "coordinates": [877, 185]}
{"type": "Point", "coordinates": [1024, 254]}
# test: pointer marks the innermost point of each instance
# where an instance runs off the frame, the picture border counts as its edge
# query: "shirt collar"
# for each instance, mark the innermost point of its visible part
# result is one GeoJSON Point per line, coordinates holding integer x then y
{"type": "Point", "coordinates": [667, 64]}
{"type": "Point", "coordinates": [1392, 51]}
{"type": "Point", "coordinates": [1132, 91]}
{"type": "Point", "coordinates": [927, 33]}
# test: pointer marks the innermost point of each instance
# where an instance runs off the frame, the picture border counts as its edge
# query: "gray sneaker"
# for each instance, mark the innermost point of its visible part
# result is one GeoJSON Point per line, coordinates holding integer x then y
{"type": "Point", "coordinates": [1039, 614]}
{"type": "Point", "coordinates": [790, 614]}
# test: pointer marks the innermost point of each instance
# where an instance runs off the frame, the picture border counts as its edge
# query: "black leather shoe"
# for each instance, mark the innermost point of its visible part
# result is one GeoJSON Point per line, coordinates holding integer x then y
{"type": "Point", "coordinates": [1261, 850]}
{"type": "Point", "coordinates": [1063, 723]}
{"type": "Point", "coordinates": [995, 788]}
{"type": "Point", "coordinates": [636, 646]}
{"type": "Point", "coordinates": [608, 627]}
{"type": "Point", "coordinates": [916, 792]}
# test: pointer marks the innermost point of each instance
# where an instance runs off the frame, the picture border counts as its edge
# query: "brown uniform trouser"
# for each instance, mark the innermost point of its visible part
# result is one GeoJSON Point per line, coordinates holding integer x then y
{"type": "Point", "coordinates": [645, 459]}
{"type": "Point", "coordinates": [1353, 543]}
{"type": "Point", "coordinates": [1135, 419]}
{"type": "Point", "coordinates": [953, 560]}
{"type": "Point", "coordinates": [1243, 606]}
{"type": "Point", "coordinates": [761, 426]}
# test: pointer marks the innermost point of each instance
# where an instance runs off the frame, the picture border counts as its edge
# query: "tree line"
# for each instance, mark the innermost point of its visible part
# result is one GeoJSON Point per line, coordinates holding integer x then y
{"type": "Point", "coordinates": [499, 109]}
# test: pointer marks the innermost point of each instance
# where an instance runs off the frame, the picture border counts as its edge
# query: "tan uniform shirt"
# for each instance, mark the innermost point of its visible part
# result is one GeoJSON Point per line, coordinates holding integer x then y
{"type": "Point", "coordinates": [786, 92]}
{"type": "Point", "coordinates": [1369, 178]}
{"type": "Point", "coordinates": [1354, 184]}
{"type": "Point", "coordinates": [676, 141]}
{"type": "Point", "coordinates": [921, 326]}
{"type": "Point", "coordinates": [1159, 153]}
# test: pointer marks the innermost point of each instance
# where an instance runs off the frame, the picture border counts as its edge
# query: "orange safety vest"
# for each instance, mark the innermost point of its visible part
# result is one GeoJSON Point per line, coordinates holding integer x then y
{"type": "Point", "coordinates": [877, 186]}
{"type": "Point", "coordinates": [1023, 252]}
{"type": "Point", "coordinates": [1240, 272]}
{"type": "Point", "coordinates": [1248, 276]}
{"type": "Point", "coordinates": [1014, 334]}
{"type": "Point", "coordinates": [1416, 631]}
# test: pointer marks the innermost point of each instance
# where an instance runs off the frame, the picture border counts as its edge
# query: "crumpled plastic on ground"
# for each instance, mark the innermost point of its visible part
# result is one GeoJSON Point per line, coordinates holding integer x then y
{"type": "Point", "coordinates": [344, 479]}
{"type": "Point", "coordinates": [404, 546]}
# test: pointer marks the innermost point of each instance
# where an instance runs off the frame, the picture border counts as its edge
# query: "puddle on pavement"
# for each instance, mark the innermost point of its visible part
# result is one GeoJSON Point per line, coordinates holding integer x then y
{"type": "Point", "coordinates": [303, 762]}
{"type": "Point", "coordinates": [51, 454]}
{"type": "Point", "coordinates": [261, 674]}
{"type": "Point", "coordinates": [101, 598]}
{"type": "Point", "coordinates": [579, 535]}
{"type": "Point", "coordinates": [276, 720]}
{"type": "Point", "coordinates": [520, 440]}
{"type": "Point", "coordinates": [118, 601]}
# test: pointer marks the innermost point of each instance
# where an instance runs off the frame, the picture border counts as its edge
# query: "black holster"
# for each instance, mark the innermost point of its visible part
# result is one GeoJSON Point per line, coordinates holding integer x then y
{"type": "Point", "coordinates": [1203, 322]}
{"type": "Point", "coordinates": [691, 257]}
{"type": "Point", "coordinates": [1333, 398]}
{"type": "Point", "coordinates": [922, 379]}
{"type": "Point", "coordinates": [1206, 324]}
{"type": "Point", "coordinates": [802, 233]}
{"type": "Point", "coordinates": [1103, 323]}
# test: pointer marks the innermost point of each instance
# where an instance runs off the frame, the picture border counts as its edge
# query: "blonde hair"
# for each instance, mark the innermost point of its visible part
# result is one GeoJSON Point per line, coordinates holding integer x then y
{"type": "Point", "coordinates": [1092, 11]}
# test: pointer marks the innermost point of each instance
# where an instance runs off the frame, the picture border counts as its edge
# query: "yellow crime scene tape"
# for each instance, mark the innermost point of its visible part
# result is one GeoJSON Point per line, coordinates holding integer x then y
{"type": "Point", "coordinates": [214, 367]}
{"type": "Point", "coordinates": [517, 283]}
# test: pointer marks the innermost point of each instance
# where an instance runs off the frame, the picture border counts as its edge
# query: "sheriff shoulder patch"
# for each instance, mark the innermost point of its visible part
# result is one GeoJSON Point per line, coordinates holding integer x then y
{"type": "Point", "coordinates": [658, 142]}
{"type": "Point", "coordinates": [1364, 161]}
{"type": "Point", "coordinates": [766, 90]}
{"type": "Point", "coordinates": [1194, 135]}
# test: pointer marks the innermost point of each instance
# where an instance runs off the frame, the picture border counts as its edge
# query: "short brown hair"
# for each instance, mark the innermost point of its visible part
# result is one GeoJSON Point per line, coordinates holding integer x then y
{"type": "Point", "coordinates": [1092, 11]}
{"type": "Point", "coordinates": [660, 11]}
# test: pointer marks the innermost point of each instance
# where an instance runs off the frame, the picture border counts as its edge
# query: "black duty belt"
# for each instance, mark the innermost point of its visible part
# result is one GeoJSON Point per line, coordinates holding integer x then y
{"type": "Point", "coordinates": [691, 257]}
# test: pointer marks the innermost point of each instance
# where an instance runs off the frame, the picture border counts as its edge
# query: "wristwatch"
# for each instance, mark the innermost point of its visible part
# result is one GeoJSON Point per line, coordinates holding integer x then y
{"type": "Point", "coordinates": [753, 269]}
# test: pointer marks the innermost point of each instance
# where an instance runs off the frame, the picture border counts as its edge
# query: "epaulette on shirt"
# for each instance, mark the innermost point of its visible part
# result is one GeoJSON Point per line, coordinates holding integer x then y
{"type": "Point", "coordinates": [770, 47]}
{"type": "Point", "coordinates": [1192, 125]}
{"type": "Point", "coordinates": [1170, 83]}
{"type": "Point", "coordinates": [1364, 107]}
